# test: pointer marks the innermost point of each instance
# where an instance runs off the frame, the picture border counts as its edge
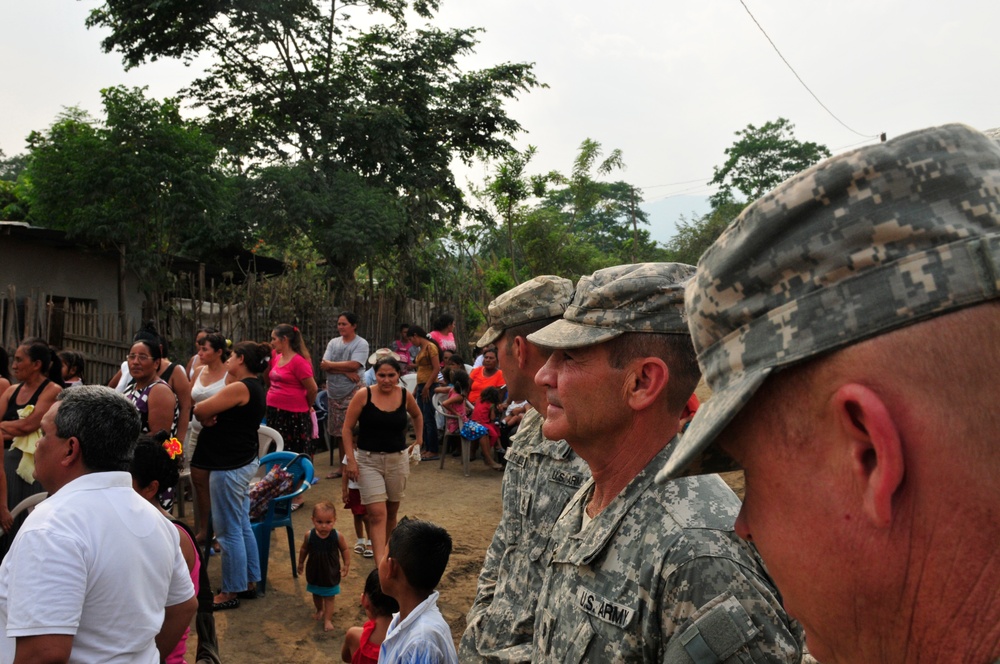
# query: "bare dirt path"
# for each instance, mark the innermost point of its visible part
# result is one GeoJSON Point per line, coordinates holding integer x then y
{"type": "Point", "coordinates": [279, 627]}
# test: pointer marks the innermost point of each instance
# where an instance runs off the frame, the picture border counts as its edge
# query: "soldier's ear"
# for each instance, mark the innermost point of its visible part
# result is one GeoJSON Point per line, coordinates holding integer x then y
{"type": "Point", "coordinates": [867, 431]}
{"type": "Point", "coordinates": [646, 382]}
{"type": "Point", "coordinates": [521, 351]}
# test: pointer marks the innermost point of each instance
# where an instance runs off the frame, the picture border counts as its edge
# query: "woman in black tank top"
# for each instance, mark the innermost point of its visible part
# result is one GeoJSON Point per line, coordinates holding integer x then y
{"type": "Point", "coordinates": [39, 374]}
{"type": "Point", "coordinates": [227, 446]}
{"type": "Point", "coordinates": [379, 462]}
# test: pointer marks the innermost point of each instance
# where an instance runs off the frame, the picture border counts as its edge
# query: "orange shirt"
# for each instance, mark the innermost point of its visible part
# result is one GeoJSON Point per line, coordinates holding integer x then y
{"type": "Point", "coordinates": [480, 382]}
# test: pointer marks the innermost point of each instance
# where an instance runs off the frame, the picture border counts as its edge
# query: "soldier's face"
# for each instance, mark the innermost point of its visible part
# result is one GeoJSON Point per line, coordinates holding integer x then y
{"type": "Point", "coordinates": [583, 392]}
{"type": "Point", "coordinates": [797, 514]}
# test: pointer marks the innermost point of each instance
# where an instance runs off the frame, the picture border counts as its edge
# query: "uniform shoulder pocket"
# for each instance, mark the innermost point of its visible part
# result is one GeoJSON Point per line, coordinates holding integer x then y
{"type": "Point", "coordinates": [722, 633]}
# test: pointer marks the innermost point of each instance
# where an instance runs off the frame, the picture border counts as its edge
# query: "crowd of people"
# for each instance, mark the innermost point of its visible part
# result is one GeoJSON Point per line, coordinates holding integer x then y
{"type": "Point", "coordinates": [865, 291]}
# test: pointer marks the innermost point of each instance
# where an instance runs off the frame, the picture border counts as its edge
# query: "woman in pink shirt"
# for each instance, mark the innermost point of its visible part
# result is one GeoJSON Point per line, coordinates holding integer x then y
{"type": "Point", "coordinates": [443, 333]}
{"type": "Point", "coordinates": [292, 390]}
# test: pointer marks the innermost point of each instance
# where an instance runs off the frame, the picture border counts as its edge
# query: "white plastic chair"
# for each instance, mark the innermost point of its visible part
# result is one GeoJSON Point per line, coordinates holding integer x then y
{"type": "Point", "coordinates": [26, 505]}
{"type": "Point", "coordinates": [268, 436]}
{"type": "Point", "coordinates": [466, 444]}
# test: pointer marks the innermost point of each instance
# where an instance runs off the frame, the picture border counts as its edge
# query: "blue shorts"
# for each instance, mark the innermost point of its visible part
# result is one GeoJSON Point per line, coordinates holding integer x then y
{"type": "Point", "coordinates": [323, 591]}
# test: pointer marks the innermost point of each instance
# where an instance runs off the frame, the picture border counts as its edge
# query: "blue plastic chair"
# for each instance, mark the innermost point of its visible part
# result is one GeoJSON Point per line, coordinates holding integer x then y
{"type": "Point", "coordinates": [279, 510]}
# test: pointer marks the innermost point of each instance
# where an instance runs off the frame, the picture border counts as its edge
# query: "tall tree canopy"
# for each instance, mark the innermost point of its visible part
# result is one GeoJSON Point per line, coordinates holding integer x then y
{"type": "Point", "coordinates": [561, 224]}
{"type": "Point", "coordinates": [761, 158]}
{"type": "Point", "coordinates": [144, 182]}
{"type": "Point", "coordinates": [296, 85]}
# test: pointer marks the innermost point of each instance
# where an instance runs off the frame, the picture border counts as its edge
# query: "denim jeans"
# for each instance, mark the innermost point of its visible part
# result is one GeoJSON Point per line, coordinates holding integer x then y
{"type": "Point", "coordinates": [430, 426]}
{"type": "Point", "coordinates": [231, 521]}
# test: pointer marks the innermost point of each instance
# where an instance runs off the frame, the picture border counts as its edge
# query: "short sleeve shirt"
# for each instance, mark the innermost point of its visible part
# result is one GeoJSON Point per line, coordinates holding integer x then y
{"type": "Point", "coordinates": [61, 576]}
{"type": "Point", "coordinates": [338, 385]}
{"type": "Point", "coordinates": [287, 392]}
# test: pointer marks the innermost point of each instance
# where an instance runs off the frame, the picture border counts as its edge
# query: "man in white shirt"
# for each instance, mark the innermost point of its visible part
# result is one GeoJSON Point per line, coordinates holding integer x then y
{"type": "Point", "coordinates": [96, 573]}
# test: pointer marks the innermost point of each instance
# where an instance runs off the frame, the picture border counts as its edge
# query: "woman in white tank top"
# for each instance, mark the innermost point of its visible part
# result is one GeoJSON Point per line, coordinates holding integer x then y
{"type": "Point", "coordinates": [208, 378]}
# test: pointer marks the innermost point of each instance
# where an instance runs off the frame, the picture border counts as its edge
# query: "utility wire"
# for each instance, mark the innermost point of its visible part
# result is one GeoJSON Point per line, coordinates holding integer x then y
{"type": "Point", "coordinates": [792, 69]}
{"type": "Point", "coordinates": [671, 184]}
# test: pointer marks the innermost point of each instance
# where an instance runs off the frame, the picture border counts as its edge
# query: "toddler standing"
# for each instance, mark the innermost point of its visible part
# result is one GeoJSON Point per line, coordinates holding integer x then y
{"type": "Point", "coordinates": [320, 556]}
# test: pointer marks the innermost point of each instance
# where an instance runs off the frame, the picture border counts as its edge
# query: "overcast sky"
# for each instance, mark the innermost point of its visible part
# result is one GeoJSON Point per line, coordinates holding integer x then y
{"type": "Point", "coordinates": [667, 82]}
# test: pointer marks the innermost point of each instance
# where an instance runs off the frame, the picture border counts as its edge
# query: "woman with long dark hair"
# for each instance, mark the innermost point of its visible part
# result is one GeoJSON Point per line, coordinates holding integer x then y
{"type": "Point", "coordinates": [428, 366]}
{"type": "Point", "coordinates": [38, 371]}
{"type": "Point", "coordinates": [292, 392]}
{"type": "Point", "coordinates": [379, 460]}
{"type": "Point", "coordinates": [227, 448]}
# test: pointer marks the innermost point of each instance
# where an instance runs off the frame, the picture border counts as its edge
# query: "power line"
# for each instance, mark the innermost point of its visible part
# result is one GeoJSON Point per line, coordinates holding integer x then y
{"type": "Point", "coordinates": [792, 69]}
{"type": "Point", "coordinates": [671, 184]}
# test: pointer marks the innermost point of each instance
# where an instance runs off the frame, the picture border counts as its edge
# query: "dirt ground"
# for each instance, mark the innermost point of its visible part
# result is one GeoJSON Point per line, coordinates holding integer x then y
{"type": "Point", "coordinates": [279, 627]}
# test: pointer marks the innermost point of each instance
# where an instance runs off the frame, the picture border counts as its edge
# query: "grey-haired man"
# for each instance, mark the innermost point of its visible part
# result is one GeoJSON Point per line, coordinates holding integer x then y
{"type": "Point", "coordinates": [849, 325]}
{"type": "Point", "coordinates": [541, 476]}
{"type": "Point", "coordinates": [641, 572]}
{"type": "Point", "coordinates": [95, 574]}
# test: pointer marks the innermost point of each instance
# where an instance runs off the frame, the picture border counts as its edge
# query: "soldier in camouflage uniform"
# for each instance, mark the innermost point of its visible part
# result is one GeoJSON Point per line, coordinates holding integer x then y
{"type": "Point", "coordinates": [541, 476]}
{"type": "Point", "coordinates": [849, 325]}
{"type": "Point", "coordinates": [641, 572]}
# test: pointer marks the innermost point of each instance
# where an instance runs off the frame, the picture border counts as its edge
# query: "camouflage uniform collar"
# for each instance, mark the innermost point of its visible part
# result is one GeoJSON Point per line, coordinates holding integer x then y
{"type": "Point", "coordinates": [582, 547]}
{"type": "Point", "coordinates": [529, 439]}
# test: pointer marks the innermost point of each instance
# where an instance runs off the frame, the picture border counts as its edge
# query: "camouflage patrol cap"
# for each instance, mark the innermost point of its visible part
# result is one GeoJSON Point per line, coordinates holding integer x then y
{"type": "Point", "coordinates": [645, 297]}
{"type": "Point", "coordinates": [542, 297]}
{"type": "Point", "coordinates": [854, 247]}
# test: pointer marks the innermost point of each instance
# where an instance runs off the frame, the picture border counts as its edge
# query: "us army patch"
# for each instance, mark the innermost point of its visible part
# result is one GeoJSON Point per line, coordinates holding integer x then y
{"type": "Point", "coordinates": [560, 476]}
{"type": "Point", "coordinates": [606, 610]}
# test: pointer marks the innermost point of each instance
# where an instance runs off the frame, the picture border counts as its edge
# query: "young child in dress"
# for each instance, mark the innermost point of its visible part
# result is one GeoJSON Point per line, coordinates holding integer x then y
{"type": "Point", "coordinates": [454, 402]}
{"type": "Point", "coordinates": [361, 644]}
{"type": "Point", "coordinates": [486, 413]}
{"type": "Point", "coordinates": [351, 493]}
{"type": "Point", "coordinates": [417, 557]}
{"type": "Point", "coordinates": [324, 549]}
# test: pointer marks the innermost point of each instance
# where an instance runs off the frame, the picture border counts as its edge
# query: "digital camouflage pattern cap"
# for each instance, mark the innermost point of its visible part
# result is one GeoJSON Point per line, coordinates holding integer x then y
{"type": "Point", "coordinates": [856, 246]}
{"type": "Point", "coordinates": [542, 297]}
{"type": "Point", "coordinates": [645, 297]}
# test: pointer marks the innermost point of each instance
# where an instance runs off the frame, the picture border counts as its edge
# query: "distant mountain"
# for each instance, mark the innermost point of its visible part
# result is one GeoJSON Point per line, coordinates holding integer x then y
{"type": "Point", "coordinates": [664, 214]}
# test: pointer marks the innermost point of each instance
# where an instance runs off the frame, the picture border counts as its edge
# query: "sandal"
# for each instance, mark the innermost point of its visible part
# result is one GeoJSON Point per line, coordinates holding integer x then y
{"type": "Point", "coordinates": [233, 603]}
{"type": "Point", "coordinates": [334, 476]}
{"type": "Point", "coordinates": [359, 547]}
{"type": "Point", "coordinates": [368, 551]}
{"type": "Point", "coordinates": [296, 506]}
{"type": "Point", "coordinates": [430, 457]}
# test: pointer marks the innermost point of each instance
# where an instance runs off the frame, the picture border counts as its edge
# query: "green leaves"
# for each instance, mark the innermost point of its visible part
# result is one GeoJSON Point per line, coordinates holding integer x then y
{"type": "Point", "coordinates": [145, 182]}
{"type": "Point", "coordinates": [761, 159]}
{"type": "Point", "coordinates": [337, 115]}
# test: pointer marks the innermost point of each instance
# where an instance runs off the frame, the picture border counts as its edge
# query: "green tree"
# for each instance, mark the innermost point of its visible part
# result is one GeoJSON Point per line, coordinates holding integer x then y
{"type": "Point", "coordinates": [13, 205]}
{"type": "Point", "coordinates": [144, 182]}
{"type": "Point", "coordinates": [508, 191]}
{"type": "Point", "coordinates": [761, 158]}
{"type": "Point", "coordinates": [296, 83]}
{"type": "Point", "coordinates": [12, 167]}
{"type": "Point", "coordinates": [695, 236]}
{"type": "Point", "coordinates": [549, 246]}
{"type": "Point", "coordinates": [604, 214]}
